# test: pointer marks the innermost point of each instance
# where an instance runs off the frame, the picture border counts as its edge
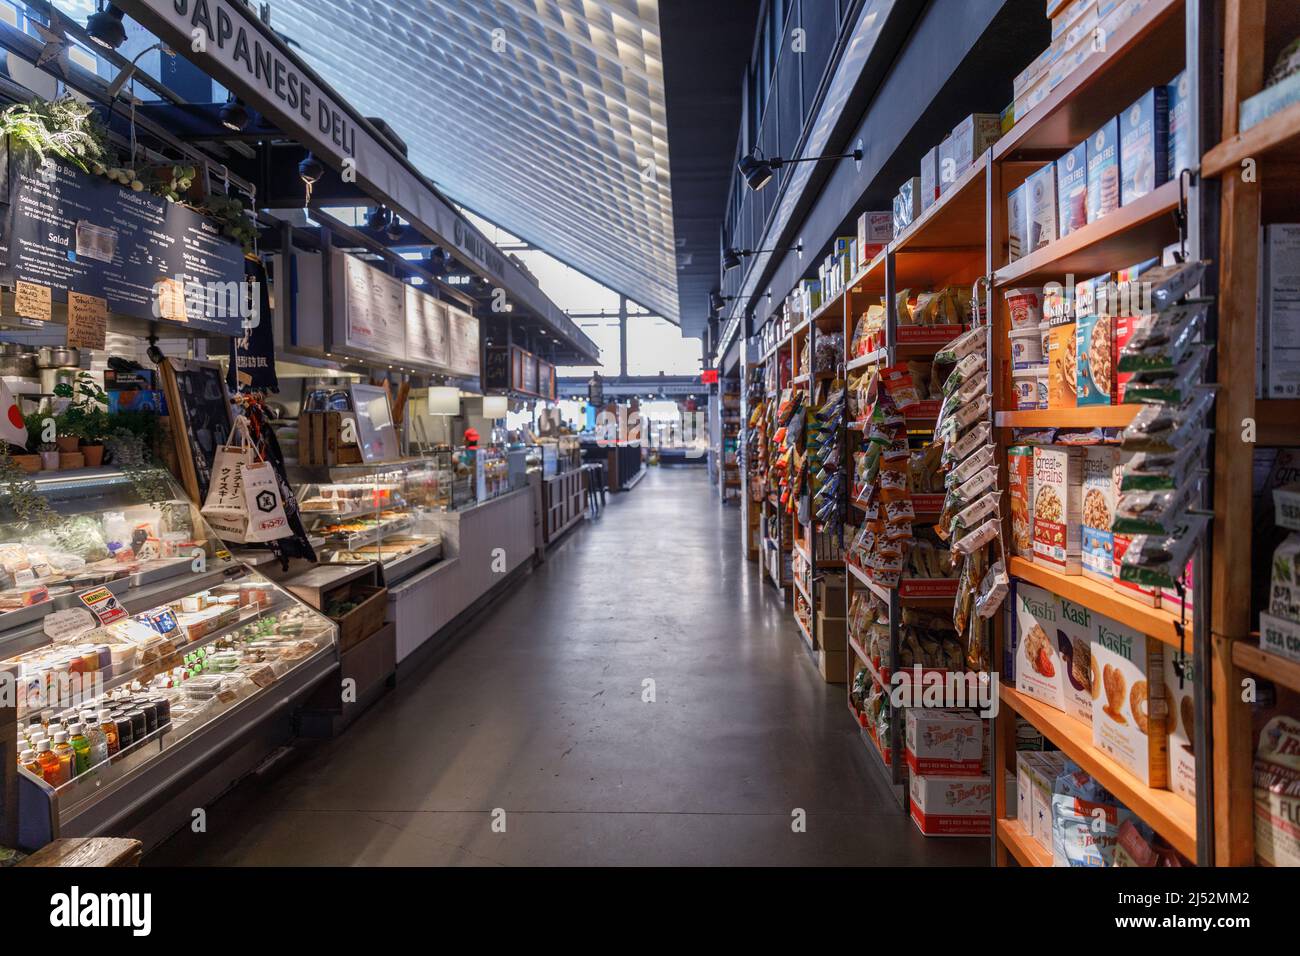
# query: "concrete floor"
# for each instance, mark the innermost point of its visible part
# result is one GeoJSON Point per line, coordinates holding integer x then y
{"type": "Point", "coordinates": [536, 712]}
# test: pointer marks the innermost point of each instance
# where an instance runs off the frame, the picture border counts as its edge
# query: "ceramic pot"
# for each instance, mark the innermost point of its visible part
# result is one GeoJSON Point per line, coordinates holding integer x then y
{"type": "Point", "coordinates": [94, 455]}
{"type": "Point", "coordinates": [49, 461]}
{"type": "Point", "coordinates": [68, 443]}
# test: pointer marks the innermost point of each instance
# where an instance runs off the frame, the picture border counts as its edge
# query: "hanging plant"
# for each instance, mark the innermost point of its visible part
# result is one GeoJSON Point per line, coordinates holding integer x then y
{"type": "Point", "coordinates": [24, 496]}
{"type": "Point", "coordinates": [171, 182]}
{"type": "Point", "coordinates": [130, 455]}
{"type": "Point", "coordinates": [233, 217]}
{"type": "Point", "coordinates": [65, 127]}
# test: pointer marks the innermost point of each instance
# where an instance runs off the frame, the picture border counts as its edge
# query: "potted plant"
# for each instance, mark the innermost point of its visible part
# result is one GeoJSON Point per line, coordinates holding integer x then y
{"type": "Point", "coordinates": [49, 456]}
{"type": "Point", "coordinates": [94, 430]}
{"type": "Point", "coordinates": [29, 461]}
{"type": "Point", "coordinates": [84, 422]}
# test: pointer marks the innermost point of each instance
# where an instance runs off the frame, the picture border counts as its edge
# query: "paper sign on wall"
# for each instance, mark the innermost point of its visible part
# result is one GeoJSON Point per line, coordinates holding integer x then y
{"type": "Point", "coordinates": [33, 301]}
{"type": "Point", "coordinates": [87, 321]}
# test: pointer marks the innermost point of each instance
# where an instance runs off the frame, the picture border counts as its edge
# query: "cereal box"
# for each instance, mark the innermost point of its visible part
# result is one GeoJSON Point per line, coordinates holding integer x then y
{"type": "Point", "coordinates": [1020, 489]}
{"type": "Point", "coordinates": [1058, 499]}
{"type": "Point", "coordinates": [1074, 641]}
{"type": "Point", "coordinates": [1072, 190]}
{"type": "Point", "coordinates": [1179, 95]}
{"type": "Point", "coordinates": [1277, 793]}
{"type": "Point", "coordinates": [1129, 717]}
{"type": "Point", "coordinates": [1040, 223]}
{"type": "Point", "coordinates": [951, 742]}
{"type": "Point", "coordinates": [1040, 669]}
{"type": "Point", "coordinates": [1180, 689]}
{"type": "Point", "coordinates": [1016, 223]}
{"type": "Point", "coordinates": [1100, 489]}
{"type": "Point", "coordinates": [1144, 145]}
{"type": "Point", "coordinates": [1103, 171]}
{"type": "Point", "coordinates": [1095, 359]}
{"type": "Point", "coordinates": [1062, 366]}
{"type": "Point", "coordinates": [951, 806]}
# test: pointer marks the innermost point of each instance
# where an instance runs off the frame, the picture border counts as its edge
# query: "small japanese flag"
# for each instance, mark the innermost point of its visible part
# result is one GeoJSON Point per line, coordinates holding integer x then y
{"type": "Point", "coordinates": [12, 427]}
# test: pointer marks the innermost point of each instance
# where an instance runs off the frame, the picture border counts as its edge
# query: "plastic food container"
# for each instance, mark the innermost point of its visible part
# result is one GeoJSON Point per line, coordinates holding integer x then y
{"type": "Point", "coordinates": [1045, 333]}
{"type": "Point", "coordinates": [1026, 347]}
{"type": "Point", "coordinates": [1026, 307]}
{"type": "Point", "coordinates": [1041, 386]}
{"type": "Point", "coordinates": [1025, 381]}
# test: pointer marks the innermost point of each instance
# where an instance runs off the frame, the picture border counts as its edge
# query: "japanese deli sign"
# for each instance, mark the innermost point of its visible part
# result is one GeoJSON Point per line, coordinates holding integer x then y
{"type": "Point", "coordinates": [71, 232]}
{"type": "Point", "coordinates": [426, 328]}
{"type": "Point", "coordinates": [374, 308]}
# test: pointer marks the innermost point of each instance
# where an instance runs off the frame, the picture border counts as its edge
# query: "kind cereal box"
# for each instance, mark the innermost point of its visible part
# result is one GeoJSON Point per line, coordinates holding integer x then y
{"type": "Point", "coordinates": [1129, 715]}
{"type": "Point", "coordinates": [1100, 484]}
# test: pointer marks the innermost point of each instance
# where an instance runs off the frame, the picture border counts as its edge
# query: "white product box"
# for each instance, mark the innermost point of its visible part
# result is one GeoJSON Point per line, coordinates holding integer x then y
{"type": "Point", "coordinates": [1100, 491]}
{"type": "Point", "coordinates": [951, 806]}
{"type": "Point", "coordinates": [1277, 806]}
{"type": "Point", "coordinates": [1181, 724]}
{"type": "Point", "coordinates": [1040, 667]}
{"type": "Point", "coordinates": [1281, 291]}
{"type": "Point", "coordinates": [1017, 222]}
{"type": "Point", "coordinates": [946, 742]}
{"type": "Point", "coordinates": [1058, 500]}
{"type": "Point", "coordinates": [1279, 636]}
{"type": "Point", "coordinates": [970, 138]}
{"type": "Point", "coordinates": [1081, 686]}
{"type": "Point", "coordinates": [1128, 721]}
{"type": "Point", "coordinates": [1040, 208]}
{"type": "Point", "coordinates": [1046, 767]}
{"type": "Point", "coordinates": [929, 178]}
{"type": "Point", "coordinates": [874, 230]}
{"type": "Point", "coordinates": [1025, 788]}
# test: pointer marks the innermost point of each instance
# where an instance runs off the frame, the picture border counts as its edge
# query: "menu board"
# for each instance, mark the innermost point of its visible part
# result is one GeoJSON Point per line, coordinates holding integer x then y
{"type": "Point", "coordinates": [496, 374]}
{"type": "Point", "coordinates": [545, 379]}
{"type": "Point", "coordinates": [529, 382]}
{"type": "Point", "coordinates": [426, 328]}
{"type": "Point", "coordinates": [70, 231]}
{"type": "Point", "coordinates": [462, 342]}
{"type": "Point", "coordinates": [196, 395]}
{"type": "Point", "coordinates": [374, 308]}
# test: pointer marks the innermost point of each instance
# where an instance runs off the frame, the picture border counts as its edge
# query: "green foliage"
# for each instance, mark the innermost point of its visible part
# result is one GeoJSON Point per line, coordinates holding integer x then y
{"type": "Point", "coordinates": [24, 497]}
{"type": "Point", "coordinates": [64, 127]}
{"type": "Point", "coordinates": [86, 417]}
{"type": "Point", "coordinates": [233, 218]}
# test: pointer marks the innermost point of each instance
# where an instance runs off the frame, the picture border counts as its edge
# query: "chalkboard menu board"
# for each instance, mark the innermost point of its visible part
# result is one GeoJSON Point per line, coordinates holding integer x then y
{"type": "Point", "coordinates": [529, 383]}
{"type": "Point", "coordinates": [545, 379]}
{"type": "Point", "coordinates": [199, 407]}
{"type": "Point", "coordinates": [71, 231]}
{"type": "Point", "coordinates": [496, 374]}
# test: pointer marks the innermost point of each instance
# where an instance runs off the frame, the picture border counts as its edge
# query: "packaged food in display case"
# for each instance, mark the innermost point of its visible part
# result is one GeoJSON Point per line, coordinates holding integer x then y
{"type": "Point", "coordinates": [149, 636]}
{"type": "Point", "coordinates": [378, 513]}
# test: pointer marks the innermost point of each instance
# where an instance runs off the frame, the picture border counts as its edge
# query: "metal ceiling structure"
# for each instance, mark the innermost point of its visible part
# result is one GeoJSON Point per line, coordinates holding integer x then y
{"type": "Point", "coordinates": [545, 116]}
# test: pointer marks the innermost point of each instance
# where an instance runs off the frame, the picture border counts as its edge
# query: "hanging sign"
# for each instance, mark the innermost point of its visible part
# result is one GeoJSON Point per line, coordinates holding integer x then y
{"type": "Point", "coordinates": [426, 328]}
{"type": "Point", "coordinates": [252, 358]}
{"type": "Point", "coordinates": [462, 342]}
{"type": "Point", "coordinates": [87, 321]}
{"type": "Point", "coordinates": [373, 307]}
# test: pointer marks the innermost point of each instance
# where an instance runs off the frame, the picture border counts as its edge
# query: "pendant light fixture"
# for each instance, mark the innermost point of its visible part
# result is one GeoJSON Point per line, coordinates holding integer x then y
{"type": "Point", "coordinates": [105, 26]}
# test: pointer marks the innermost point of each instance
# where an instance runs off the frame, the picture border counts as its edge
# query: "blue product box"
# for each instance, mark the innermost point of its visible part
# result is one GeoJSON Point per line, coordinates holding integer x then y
{"type": "Point", "coordinates": [1144, 145]}
{"type": "Point", "coordinates": [136, 400]}
{"type": "Point", "coordinates": [1103, 171]}
{"type": "Point", "coordinates": [1180, 128]}
{"type": "Point", "coordinates": [1270, 100]}
{"type": "Point", "coordinates": [1072, 190]}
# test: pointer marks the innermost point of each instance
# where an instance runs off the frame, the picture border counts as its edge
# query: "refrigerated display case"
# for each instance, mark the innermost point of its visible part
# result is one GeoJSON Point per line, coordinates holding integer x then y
{"type": "Point", "coordinates": [132, 613]}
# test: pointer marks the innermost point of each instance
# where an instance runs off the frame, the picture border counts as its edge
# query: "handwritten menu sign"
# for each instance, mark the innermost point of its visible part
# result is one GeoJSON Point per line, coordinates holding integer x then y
{"type": "Point", "coordinates": [69, 231]}
{"type": "Point", "coordinates": [87, 321]}
{"type": "Point", "coordinates": [33, 301]}
{"type": "Point", "coordinates": [462, 342]}
{"type": "Point", "coordinates": [197, 397]}
{"type": "Point", "coordinates": [496, 373]}
{"type": "Point", "coordinates": [374, 308]}
{"type": "Point", "coordinates": [426, 328]}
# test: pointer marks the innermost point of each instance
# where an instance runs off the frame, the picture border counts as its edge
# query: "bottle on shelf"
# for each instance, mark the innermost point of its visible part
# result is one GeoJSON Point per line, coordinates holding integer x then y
{"type": "Point", "coordinates": [108, 727]}
{"type": "Point", "coordinates": [28, 759]}
{"type": "Point", "coordinates": [80, 747]}
{"type": "Point", "coordinates": [67, 760]}
{"type": "Point", "coordinates": [98, 742]}
{"type": "Point", "coordinates": [51, 767]}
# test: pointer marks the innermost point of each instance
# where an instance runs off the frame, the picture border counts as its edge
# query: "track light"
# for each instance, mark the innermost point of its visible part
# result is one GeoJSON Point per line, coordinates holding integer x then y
{"type": "Point", "coordinates": [234, 114]}
{"type": "Point", "coordinates": [378, 218]}
{"type": "Point", "coordinates": [758, 169]}
{"type": "Point", "coordinates": [731, 257]}
{"type": "Point", "coordinates": [105, 26]}
{"type": "Point", "coordinates": [717, 301]}
{"type": "Point", "coordinates": [395, 229]}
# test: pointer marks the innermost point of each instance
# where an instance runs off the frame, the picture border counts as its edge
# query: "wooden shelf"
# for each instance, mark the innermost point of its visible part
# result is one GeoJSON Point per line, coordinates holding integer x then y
{"type": "Point", "coordinates": [1103, 599]}
{"type": "Point", "coordinates": [871, 358]}
{"type": "Point", "coordinates": [1171, 816]}
{"type": "Point", "coordinates": [1026, 850]}
{"type": "Point", "coordinates": [1274, 140]}
{"type": "Point", "coordinates": [870, 279]}
{"type": "Point", "coordinates": [860, 653]}
{"type": "Point", "coordinates": [802, 590]}
{"type": "Point", "coordinates": [1130, 234]}
{"type": "Point", "coordinates": [1278, 422]}
{"type": "Point", "coordinates": [1089, 416]}
{"type": "Point", "coordinates": [956, 220]}
{"type": "Point", "coordinates": [1249, 657]}
{"type": "Point", "coordinates": [803, 631]}
{"type": "Point", "coordinates": [1147, 49]}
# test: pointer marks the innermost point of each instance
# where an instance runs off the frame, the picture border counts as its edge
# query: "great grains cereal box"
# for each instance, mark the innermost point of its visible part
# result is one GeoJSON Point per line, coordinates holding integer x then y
{"type": "Point", "coordinates": [1058, 496]}
{"type": "Point", "coordinates": [1129, 714]}
{"type": "Point", "coordinates": [1100, 484]}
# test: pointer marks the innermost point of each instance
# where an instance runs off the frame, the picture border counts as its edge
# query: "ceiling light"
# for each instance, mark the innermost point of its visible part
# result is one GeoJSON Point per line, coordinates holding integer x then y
{"type": "Point", "coordinates": [378, 218]}
{"type": "Point", "coordinates": [234, 114]}
{"type": "Point", "coordinates": [105, 26]}
{"type": "Point", "coordinates": [310, 169]}
{"type": "Point", "coordinates": [395, 230]}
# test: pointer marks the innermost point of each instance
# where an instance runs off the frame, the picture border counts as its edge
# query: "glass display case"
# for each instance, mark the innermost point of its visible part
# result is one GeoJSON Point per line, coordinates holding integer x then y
{"type": "Point", "coordinates": [491, 472]}
{"type": "Point", "coordinates": [138, 644]}
{"type": "Point", "coordinates": [380, 513]}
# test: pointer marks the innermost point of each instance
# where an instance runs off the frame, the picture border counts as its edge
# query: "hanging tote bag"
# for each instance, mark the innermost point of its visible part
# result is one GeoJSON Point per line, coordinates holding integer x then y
{"type": "Point", "coordinates": [243, 503]}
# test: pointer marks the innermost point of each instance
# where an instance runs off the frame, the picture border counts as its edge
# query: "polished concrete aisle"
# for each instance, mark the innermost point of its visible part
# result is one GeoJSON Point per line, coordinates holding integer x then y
{"type": "Point", "coordinates": [534, 717]}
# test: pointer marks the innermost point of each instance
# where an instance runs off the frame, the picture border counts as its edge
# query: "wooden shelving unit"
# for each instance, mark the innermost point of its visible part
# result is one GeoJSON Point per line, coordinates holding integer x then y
{"type": "Point", "coordinates": [1023, 847]}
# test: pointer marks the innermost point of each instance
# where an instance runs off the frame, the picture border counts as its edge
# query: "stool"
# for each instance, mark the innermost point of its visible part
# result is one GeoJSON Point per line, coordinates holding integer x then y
{"type": "Point", "coordinates": [595, 481]}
